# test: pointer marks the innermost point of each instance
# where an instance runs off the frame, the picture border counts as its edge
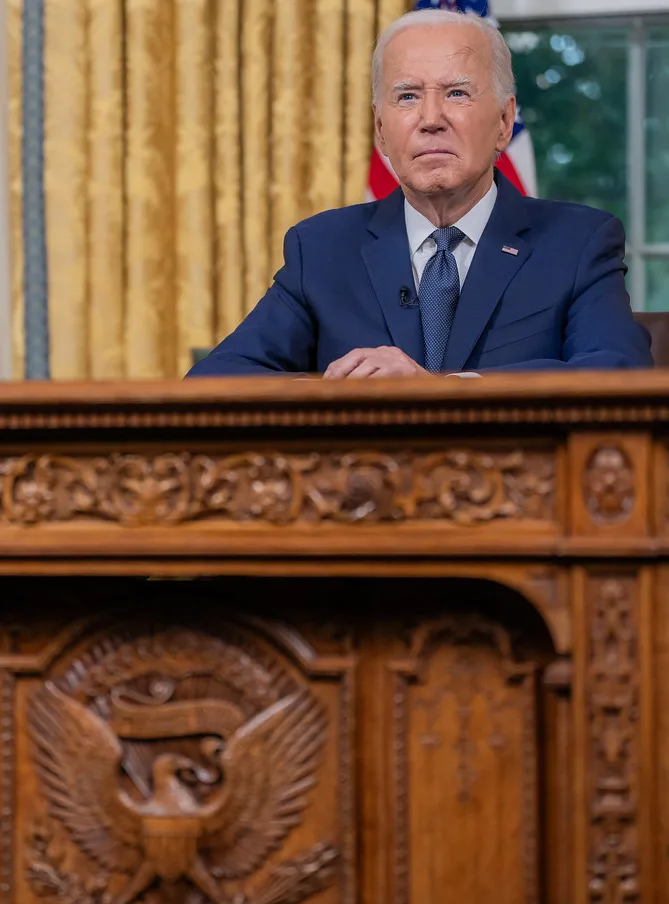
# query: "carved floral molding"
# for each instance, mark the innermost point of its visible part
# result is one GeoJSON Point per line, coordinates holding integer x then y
{"type": "Point", "coordinates": [461, 486]}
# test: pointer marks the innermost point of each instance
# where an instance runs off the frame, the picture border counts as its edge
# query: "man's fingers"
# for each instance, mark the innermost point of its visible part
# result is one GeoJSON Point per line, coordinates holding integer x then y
{"type": "Point", "coordinates": [366, 369]}
{"type": "Point", "coordinates": [342, 367]}
{"type": "Point", "coordinates": [361, 363]}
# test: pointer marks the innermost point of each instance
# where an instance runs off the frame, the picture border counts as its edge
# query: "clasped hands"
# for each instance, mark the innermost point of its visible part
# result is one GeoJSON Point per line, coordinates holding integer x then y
{"type": "Point", "coordinates": [386, 361]}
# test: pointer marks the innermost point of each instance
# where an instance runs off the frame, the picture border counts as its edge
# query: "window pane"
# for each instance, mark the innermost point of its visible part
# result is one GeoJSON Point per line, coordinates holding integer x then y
{"type": "Point", "coordinates": [632, 264]}
{"type": "Point", "coordinates": [572, 86]}
{"type": "Point", "coordinates": [657, 136]}
{"type": "Point", "coordinates": [657, 285]}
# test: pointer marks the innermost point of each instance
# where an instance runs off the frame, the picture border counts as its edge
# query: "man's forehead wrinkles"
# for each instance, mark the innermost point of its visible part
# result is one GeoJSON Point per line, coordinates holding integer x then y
{"type": "Point", "coordinates": [421, 54]}
{"type": "Point", "coordinates": [462, 63]}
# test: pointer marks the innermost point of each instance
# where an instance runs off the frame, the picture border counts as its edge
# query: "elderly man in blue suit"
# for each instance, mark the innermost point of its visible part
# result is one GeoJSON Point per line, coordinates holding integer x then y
{"type": "Point", "coordinates": [456, 270]}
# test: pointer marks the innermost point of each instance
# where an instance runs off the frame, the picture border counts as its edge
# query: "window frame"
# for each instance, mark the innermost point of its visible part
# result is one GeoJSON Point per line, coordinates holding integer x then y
{"type": "Point", "coordinates": [638, 250]}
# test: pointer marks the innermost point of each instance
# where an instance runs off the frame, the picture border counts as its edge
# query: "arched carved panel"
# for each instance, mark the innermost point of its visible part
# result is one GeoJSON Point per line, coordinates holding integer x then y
{"type": "Point", "coordinates": [201, 762]}
{"type": "Point", "coordinates": [464, 752]}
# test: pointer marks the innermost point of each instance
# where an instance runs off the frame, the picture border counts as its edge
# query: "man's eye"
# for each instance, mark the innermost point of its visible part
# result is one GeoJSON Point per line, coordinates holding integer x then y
{"type": "Point", "coordinates": [458, 92]}
{"type": "Point", "coordinates": [407, 95]}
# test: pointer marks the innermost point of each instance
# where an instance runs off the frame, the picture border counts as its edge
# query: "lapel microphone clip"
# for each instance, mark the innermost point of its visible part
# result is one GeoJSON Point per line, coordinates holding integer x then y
{"type": "Point", "coordinates": [406, 299]}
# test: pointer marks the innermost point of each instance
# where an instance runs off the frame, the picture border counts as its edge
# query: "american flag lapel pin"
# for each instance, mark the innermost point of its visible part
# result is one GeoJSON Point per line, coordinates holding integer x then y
{"type": "Point", "coordinates": [507, 249]}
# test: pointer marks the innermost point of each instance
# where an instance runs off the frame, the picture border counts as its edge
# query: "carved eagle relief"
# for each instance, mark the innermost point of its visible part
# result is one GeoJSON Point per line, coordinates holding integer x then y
{"type": "Point", "coordinates": [237, 800]}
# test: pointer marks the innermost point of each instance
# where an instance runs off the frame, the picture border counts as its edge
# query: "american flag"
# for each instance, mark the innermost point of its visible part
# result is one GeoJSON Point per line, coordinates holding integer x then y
{"type": "Point", "coordinates": [517, 164]}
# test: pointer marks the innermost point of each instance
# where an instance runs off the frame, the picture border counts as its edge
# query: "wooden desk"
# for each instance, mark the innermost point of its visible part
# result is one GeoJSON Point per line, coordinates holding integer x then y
{"type": "Point", "coordinates": [425, 658]}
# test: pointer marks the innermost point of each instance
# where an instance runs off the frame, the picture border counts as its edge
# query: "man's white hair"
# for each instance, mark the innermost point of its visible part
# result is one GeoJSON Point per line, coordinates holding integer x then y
{"type": "Point", "coordinates": [504, 84]}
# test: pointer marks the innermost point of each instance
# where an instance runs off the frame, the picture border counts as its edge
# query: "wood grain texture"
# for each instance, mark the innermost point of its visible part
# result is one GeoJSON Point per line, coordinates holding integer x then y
{"type": "Point", "coordinates": [407, 640]}
{"type": "Point", "coordinates": [202, 733]}
{"type": "Point", "coordinates": [613, 471]}
{"type": "Point", "coordinates": [465, 744]}
{"type": "Point", "coordinates": [613, 688]}
{"type": "Point", "coordinates": [557, 817]}
{"type": "Point", "coordinates": [7, 783]}
{"type": "Point", "coordinates": [458, 486]}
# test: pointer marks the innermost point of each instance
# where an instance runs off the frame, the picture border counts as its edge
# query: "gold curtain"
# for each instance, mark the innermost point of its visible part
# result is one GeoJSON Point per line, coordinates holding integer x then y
{"type": "Point", "coordinates": [182, 139]}
{"type": "Point", "coordinates": [15, 134]}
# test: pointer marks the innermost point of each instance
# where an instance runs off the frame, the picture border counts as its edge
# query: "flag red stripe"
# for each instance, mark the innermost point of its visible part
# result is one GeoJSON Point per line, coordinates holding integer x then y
{"type": "Point", "coordinates": [381, 181]}
{"type": "Point", "coordinates": [507, 169]}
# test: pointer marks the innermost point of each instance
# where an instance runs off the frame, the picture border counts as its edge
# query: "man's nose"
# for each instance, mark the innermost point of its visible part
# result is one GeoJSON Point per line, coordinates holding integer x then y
{"type": "Point", "coordinates": [433, 119]}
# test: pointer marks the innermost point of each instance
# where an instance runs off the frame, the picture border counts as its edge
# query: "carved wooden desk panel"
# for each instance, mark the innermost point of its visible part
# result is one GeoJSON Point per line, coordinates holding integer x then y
{"type": "Point", "coordinates": [421, 654]}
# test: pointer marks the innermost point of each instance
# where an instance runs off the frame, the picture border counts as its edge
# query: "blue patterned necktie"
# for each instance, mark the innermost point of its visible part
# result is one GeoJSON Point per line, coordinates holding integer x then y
{"type": "Point", "coordinates": [438, 295]}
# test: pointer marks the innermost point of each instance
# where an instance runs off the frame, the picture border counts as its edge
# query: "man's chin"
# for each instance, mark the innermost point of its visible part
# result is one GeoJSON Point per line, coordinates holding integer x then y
{"type": "Point", "coordinates": [433, 174]}
{"type": "Point", "coordinates": [436, 184]}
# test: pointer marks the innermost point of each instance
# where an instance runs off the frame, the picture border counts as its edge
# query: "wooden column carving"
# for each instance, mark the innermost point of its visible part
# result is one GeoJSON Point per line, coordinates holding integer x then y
{"type": "Point", "coordinates": [613, 767]}
{"type": "Point", "coordinates": [558, 775]}
{"type": "Point", "coordinates": [7, 784]}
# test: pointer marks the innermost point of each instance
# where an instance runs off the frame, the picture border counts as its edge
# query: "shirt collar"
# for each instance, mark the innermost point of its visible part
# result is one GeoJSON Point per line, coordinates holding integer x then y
{"type": "Point", "coordinates": [472, 224]}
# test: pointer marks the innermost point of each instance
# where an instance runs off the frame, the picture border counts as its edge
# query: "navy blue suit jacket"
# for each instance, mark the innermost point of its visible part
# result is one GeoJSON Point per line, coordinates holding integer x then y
{"type": "Point", "coordinates": [559, 302]}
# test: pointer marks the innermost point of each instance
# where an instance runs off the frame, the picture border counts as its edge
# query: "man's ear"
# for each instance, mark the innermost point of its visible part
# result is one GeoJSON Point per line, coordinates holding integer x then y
{"type": "Point", "coordinates": [506, 125]}
{"type": "Point", "coordinates": [378, 129]}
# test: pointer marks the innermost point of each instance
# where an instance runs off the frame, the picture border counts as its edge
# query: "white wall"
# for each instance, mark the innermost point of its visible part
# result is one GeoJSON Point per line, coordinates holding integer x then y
{"type": "Point", "coordinates": [5, 281]}
{"type": "Point", "coordinates": [534, 9]}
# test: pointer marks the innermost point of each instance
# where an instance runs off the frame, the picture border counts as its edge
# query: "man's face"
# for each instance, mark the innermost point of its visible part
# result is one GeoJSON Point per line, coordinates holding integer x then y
{"type": "Point", "coordinates": [438, 118]}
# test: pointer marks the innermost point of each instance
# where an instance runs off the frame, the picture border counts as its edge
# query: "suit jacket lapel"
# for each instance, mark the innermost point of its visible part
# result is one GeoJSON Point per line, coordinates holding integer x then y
{"type": "Point", "coordinates": [491, 271]}
{"type": "Point", "coordinates": [388, 261]}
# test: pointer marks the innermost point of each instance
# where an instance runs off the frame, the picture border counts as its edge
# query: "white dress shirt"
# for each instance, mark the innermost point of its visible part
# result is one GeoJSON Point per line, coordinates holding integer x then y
{"type": "Point", "coordinates": [422, 247]}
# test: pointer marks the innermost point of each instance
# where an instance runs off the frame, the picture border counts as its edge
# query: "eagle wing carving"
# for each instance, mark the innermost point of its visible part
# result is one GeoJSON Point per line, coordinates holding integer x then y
{"type": "Point", "coordinates": [78, 760]}
{"type": "Point", "coordinates": [268, 766]}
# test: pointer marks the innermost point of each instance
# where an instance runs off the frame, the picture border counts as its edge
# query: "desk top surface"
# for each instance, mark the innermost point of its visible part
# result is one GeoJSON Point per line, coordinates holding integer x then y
{"type": "Point", "coordinates": [534, 385]}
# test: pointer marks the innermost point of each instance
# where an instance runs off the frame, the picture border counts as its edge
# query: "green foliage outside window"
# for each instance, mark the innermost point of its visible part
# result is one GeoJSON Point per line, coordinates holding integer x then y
{"type": "Point", "coordinates": [575, 87]}
{"type": "Point", "coordinates": [572, 86]}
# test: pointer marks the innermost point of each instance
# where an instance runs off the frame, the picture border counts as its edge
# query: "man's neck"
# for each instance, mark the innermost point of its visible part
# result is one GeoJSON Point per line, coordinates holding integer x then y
{"type": "Point", "coordinates": [447, 208]}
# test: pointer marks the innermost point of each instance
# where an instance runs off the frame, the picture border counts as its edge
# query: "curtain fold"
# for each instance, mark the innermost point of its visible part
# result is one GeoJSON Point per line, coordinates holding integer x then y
{"type": "Point", "coordinates": [360, 34]}
{"type": "Point", "coordinates": [194, 48]}
{"type": "Point", "coordinates": [290, 101]}
{"type": "Point", "coordinates": [150, 321]}
{"type": "Point", "coordinates": [256, 64]}
{"type": "Point", "coordinates": [15, 133]}
{"type": "Point", "coordinates": [388, 11]}
{"type": "Point", "coordinates": [106, 189]}
{"type": "Point", "coordinates": [229, 256]}
{"type": "Point", "coordinates": [326, 151]}
{"type": "Point", "coordinates": [66, 100]}
{"type": "Point", "coordinates": [182, 139]}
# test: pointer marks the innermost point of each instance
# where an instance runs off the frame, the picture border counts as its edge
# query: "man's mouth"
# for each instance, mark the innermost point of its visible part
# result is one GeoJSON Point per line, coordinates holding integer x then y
{"type": "Point", "coordinates": [434, 152]}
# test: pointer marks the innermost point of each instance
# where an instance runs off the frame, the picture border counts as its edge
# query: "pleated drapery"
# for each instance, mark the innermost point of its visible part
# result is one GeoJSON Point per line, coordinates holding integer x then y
{"type": "Point", "coordinates": [181, 138]}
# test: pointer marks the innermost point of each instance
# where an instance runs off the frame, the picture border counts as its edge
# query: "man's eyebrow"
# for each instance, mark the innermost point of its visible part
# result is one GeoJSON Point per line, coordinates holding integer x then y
{"type": "Point", "coordinates": [461, 82]}
{"type": "Point", "coordinates": [406, 86]}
